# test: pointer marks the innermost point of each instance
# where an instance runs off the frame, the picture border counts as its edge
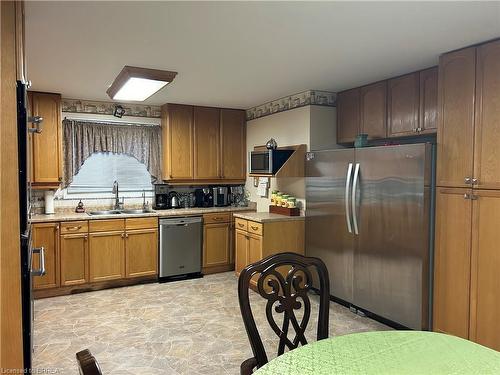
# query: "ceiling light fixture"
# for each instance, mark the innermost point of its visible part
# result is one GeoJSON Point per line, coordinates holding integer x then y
{"type": "Point", "coordinates": [138, 84]}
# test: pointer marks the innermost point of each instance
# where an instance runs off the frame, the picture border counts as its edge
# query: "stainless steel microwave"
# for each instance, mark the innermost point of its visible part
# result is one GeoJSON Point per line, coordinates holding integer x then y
{"type": "Point", "coordinates": [267, 161]}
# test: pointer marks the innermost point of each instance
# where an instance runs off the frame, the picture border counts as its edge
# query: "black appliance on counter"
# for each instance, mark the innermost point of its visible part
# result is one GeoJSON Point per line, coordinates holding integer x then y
{"type": "Point", "coordinates": [162, 199]}
{"type": "Point", "coordinates": [27, 271]}
{"type": "Point", "coordinates": [203, 198]}
{"type": "Point", "coordinates": [221, 196]}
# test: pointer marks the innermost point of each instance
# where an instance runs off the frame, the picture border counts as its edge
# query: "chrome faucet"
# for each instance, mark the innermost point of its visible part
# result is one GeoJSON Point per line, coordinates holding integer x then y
{"type": "Point", "coordinates": [118, 204]}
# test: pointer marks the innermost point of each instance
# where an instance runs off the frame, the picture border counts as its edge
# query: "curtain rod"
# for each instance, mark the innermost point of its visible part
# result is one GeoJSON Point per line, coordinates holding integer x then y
{"type": "Point", "coordinates": [99, 121]}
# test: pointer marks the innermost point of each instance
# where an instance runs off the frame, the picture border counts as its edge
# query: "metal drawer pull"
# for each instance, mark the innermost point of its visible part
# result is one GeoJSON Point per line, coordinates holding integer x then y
{"type": "Point", "coordinates": [218, 218]}
{"type": "Point", "coordinates": [74, 228]}
{"type": "Point", "coordinates": [241, 225]}
{"type": "Point", "coordinates": [254, 228]}
{"type": "Point", "coordinates": [467, 180]}
{"type": "Point", "coordinates": [466, 196]}
{"type": "Point", "coordinates": [41, 270]}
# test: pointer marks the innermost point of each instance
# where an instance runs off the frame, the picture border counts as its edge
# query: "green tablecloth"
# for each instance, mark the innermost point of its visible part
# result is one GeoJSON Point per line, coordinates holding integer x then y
{"type": "Point", "coordinates": [388, 352]}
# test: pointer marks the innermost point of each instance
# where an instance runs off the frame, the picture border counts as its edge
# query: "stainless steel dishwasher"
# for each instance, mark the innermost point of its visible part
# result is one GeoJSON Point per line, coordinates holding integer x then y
{"type": "Point", "coordinates": [180, 247]}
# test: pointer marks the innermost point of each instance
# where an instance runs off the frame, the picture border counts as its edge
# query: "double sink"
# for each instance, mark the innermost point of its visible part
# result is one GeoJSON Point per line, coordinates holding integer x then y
{"type": "Point", "coordinates": [119, 212]}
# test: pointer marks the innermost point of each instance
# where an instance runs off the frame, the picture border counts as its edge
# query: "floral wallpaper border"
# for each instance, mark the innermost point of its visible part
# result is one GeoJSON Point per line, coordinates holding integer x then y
{"type": "Point", "coordinates": [309, 97]}
{"type": "Point", "coordinates": [107, 108]}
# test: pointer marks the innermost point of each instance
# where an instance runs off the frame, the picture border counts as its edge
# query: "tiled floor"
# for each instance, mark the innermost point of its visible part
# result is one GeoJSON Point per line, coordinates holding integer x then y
{"type": "Point", "coordinates": [185, 327]}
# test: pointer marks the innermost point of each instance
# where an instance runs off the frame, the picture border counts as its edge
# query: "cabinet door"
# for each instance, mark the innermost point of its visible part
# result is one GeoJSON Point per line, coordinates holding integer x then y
{"type": "Point", "coordinates": [241, 259]}
{"type": "Point", "coordinates": [373, 99]}
{"type": "Point", "coordinates": [74, 259]}
{"type": "Point", "coordinates": [485, 280]}
{"type": "Point", "coordinates": [206, 143]}
{"type": "Point", "coordinates": [177, 139]}
{"type": "Point", "coordinates": [141, 253]}
{"type": "Point", "coordinates": [428, 100]}
{"type": "Point", "coordinates": [216, 245]}
{"type": "Point", "coordinates": [487, 124]}
{"type": "Point", "coordinates": [254, 248]}
{"type": "Point", "coordinates": [47, 150]}
{"type": "Point", "coordinates": [452, 261]}
{"type": "Point", "coordinates": [348, 116]}
{"type": "Point", "coordinates": [107, 256]}
{"type": "Point", "coordinates": [233, 143]}
{"type": "Point", "coordinates": [403, 102]}
{"type": "Point", "coordinates": [457, 72]}
{"type": "Point", "coordinates": [46, 235]}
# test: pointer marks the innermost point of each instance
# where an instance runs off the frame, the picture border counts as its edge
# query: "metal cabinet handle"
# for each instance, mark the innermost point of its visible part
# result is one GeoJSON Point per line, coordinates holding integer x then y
{"type": "Point", "coordinates": [474, 181]}
{"type": "Point", "coordinates": [353, 200]}
{"type": "Point", "coordinates": [74, 228]}
{"type": "Point", "coordinates": [347, 209]}
{"type": "Point", "coordinates": [466, 196]}
{"type": "Point", "coordinates": [474, 197]}
{"type": "Point", "coordinates": [41, 270]}
{"type": "Point", "coordinates": [254, 228]}
{"type": "Point", "coordinates": [123, 235]}
{"type": "Point", "coordinates": [37, 121]}
{"type": "Point", "coordinates": [217, 218]}
{"type": "Point", "coordinates": [467, 180]}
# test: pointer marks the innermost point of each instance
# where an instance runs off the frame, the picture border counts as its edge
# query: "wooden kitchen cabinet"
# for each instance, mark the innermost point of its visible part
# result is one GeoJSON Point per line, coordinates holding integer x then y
{"type": "Point", "coordinates": [74, 259]}
{"type": "Point", "coordinates": [348, 115]}
{"type": "Point", "coordinates": [487, 117]}
{"type": "Point", "coordinates": [233, 144]}
{"type": "Point", "coordinates": [403, 105]}
{"type": "Point", "coordinates": [428, 108]}
{"type": "Point", "coordinates": [206, 143]}
{"type": "Point", "coordinates": [373, 109]}
{"type": "Point", "coordinates": [46, 235]}
{"type": "Point", "coordinates": [241, 250]}
{"type": "Point", "coordinates": [107, 256]}
{"type": "Point", "coordinates": [47, 145]}
{"type": "Point", "coordinates": [216, 243]}
{"type": "Point", "coordinates": [457, 73]}
{"type": "Point", "coordinates": [141, 257]}
{"type": "Point", "coordinates": [485, 280]}
{"type": "Point", "coordinates": [452, 261]}
{"type": "Point", "coordinates": [177, 139]}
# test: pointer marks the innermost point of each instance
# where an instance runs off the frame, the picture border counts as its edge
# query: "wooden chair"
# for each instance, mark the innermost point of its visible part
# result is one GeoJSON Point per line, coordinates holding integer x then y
{"type": "Point", "coordinates": [87, 364]}
{"type": "Point", "coordinates": [284, 292]}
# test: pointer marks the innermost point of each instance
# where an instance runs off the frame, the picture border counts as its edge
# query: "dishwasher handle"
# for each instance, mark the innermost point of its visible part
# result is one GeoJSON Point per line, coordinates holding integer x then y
{"type": "Point", "coordinates": [181, 221]}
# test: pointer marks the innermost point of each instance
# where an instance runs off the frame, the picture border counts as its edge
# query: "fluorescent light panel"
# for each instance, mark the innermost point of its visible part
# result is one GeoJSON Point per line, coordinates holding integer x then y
{"type": "Point", "coordinates": [139, 89]}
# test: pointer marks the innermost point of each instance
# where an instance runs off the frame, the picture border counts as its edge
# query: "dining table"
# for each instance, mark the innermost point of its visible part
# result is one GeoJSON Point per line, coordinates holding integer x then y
{"type": "Point", "coordinates": [387, 353]}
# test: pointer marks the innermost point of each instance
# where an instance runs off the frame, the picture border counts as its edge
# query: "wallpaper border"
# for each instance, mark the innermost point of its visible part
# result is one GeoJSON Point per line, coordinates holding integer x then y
{"type": "Point", "coordinates": [107, 108]}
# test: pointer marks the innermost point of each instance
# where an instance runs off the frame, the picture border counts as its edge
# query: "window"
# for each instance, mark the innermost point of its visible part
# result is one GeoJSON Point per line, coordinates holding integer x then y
{"type": "Point", "coordinates": [100, 170]}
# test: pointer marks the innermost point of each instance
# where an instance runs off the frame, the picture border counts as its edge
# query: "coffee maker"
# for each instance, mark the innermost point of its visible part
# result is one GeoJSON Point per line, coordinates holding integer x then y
{"type": "Point", "coordinates": [221, 196]}
{"type": "Point", "coordinates": [162, 200]}
{"type": "Point", "coordinates": [203, 198]}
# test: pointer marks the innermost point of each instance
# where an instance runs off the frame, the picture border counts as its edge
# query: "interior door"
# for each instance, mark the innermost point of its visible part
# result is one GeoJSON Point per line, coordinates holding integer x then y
{"type": "Point", "coordinates": [328, 224]}
{"type": "Point", "coordinates": [389, 217]}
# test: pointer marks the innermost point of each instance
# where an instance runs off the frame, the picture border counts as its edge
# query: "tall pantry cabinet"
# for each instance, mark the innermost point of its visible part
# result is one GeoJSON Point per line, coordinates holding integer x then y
{"type": "Point", "coordinates": [467, 248]}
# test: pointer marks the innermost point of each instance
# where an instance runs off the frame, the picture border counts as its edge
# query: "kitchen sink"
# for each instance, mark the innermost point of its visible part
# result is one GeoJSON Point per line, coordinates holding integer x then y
{"type": "Point", "coordinates": [137, 211]}
{"type": "Point", "coordinates": [105, 212]}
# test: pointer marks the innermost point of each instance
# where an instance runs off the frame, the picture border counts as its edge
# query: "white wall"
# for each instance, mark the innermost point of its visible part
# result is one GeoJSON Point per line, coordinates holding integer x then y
{"type": "Point", "coordinates": [314, 126]}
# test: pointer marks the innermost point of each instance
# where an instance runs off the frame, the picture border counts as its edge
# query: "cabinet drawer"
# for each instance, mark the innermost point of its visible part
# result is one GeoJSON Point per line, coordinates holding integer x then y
{"type": "Point", "coordinates": [223, 217]}
{"type": "Point", "coordinates": [254, 227]}
{"type": "Point", "coordinates": [141, 223]}
{"type": "Point", "coordinates": [74, 227]}
{"type": "Point", "coordinates": [240, 224]}
{"type": "Point", "coordinates": [106, 225]}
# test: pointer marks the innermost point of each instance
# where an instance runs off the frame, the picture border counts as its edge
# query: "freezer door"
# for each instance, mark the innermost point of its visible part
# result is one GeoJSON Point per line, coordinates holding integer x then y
{"type": "Point", "coordinates": [392, 215]}
{"type": "Point", "coordinates": [328, 224]}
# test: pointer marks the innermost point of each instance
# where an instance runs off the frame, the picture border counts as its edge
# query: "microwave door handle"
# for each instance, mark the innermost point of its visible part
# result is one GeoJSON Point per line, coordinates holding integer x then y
{"type": "Point", "coordinates": [347, 188]}
{"type": "Point", "coordinates": [353, 200]}
{"type": "Point", "coordinates": [270, 156]}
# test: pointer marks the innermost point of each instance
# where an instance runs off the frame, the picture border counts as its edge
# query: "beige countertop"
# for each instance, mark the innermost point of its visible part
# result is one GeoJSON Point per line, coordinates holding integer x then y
{"type": "Point", "coordinates": [72, 216]}
{"type": "Point", "coordinates": [265, 217]}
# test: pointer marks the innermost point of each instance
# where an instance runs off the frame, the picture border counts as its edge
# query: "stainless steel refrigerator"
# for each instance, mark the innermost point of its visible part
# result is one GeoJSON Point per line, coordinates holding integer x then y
{"type": "Point", "coordinates": [369, 218]}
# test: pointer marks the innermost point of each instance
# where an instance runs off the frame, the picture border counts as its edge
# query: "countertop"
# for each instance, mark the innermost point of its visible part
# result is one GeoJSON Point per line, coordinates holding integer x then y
{"type": "Point", "coordinates": [265, 217]}
{"type": "Point", "coordinates": [72, 216]}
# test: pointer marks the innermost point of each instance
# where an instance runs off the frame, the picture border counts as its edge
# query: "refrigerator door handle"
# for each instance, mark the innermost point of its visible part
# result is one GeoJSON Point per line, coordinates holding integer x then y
{"type": "Point", "coordinates": [41, 270]}
{"type": "Point", "coordinates": [347, 187]}
{"type": "Point", "coordinates": [353, 199]}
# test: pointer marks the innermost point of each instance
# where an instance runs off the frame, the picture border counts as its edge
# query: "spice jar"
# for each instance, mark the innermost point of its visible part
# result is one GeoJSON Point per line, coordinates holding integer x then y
{"type": "Point", "coordinates": [284, 200]}
{"type": "Point", "coordinates": [273, 197]}
{"type": "Point", "coordinates": [291, 202]}
{"type": "Point", "coordinates": [278, 198]}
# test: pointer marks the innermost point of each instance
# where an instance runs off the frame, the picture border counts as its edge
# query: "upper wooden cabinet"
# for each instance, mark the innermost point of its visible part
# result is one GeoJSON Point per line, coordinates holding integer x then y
{"type": "Point", "coordinates": [203, 144]}
{"type": "Point", "coordinates": [177, 139]}
{"type": "Point", "coordinates": [373, 104]}
{"type": "Point", "coordinates": [47, 145]}
{"type": "Point", "coordinates": [457, 74]}
{"type": "Point", "coordinates": [206, 143]}
{"type": "Point", "coordinates": [348, 116]}
{"type": "Point", "coordinates": [403, 105]}
{"type": "Point", "coordinates": [428, 109]}
{"type": "Point", "coordinates": [487, 117]}
{"type": "Point", "coordinates": [233, 144]}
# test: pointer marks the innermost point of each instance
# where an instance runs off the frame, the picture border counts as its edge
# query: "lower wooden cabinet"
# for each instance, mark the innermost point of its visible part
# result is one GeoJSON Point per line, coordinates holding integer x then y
{"type": "Point", "coordinates": [216, 243]}
{"type": "Point", "coordinates": [46, 235]}
{"type": "Point", "coordinates": [74, 259]}
{"type": "Point", "coordinates": [241, 245]}
{"type": "Point", "coordinates": [467, 260]}
{"type": "Point", "coordinates": [107, 256]}
{"type": "Point", "coordinates": [141, 252]}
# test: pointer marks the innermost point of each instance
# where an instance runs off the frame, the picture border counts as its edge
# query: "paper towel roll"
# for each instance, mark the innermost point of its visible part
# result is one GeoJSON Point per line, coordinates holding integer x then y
{"type": "Point", "coordinates": [49, 201]}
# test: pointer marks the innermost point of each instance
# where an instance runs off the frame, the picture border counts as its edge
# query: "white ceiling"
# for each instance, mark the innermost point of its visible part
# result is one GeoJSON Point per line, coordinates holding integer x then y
{"type": "Point", "coordinates": [241, 54]}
